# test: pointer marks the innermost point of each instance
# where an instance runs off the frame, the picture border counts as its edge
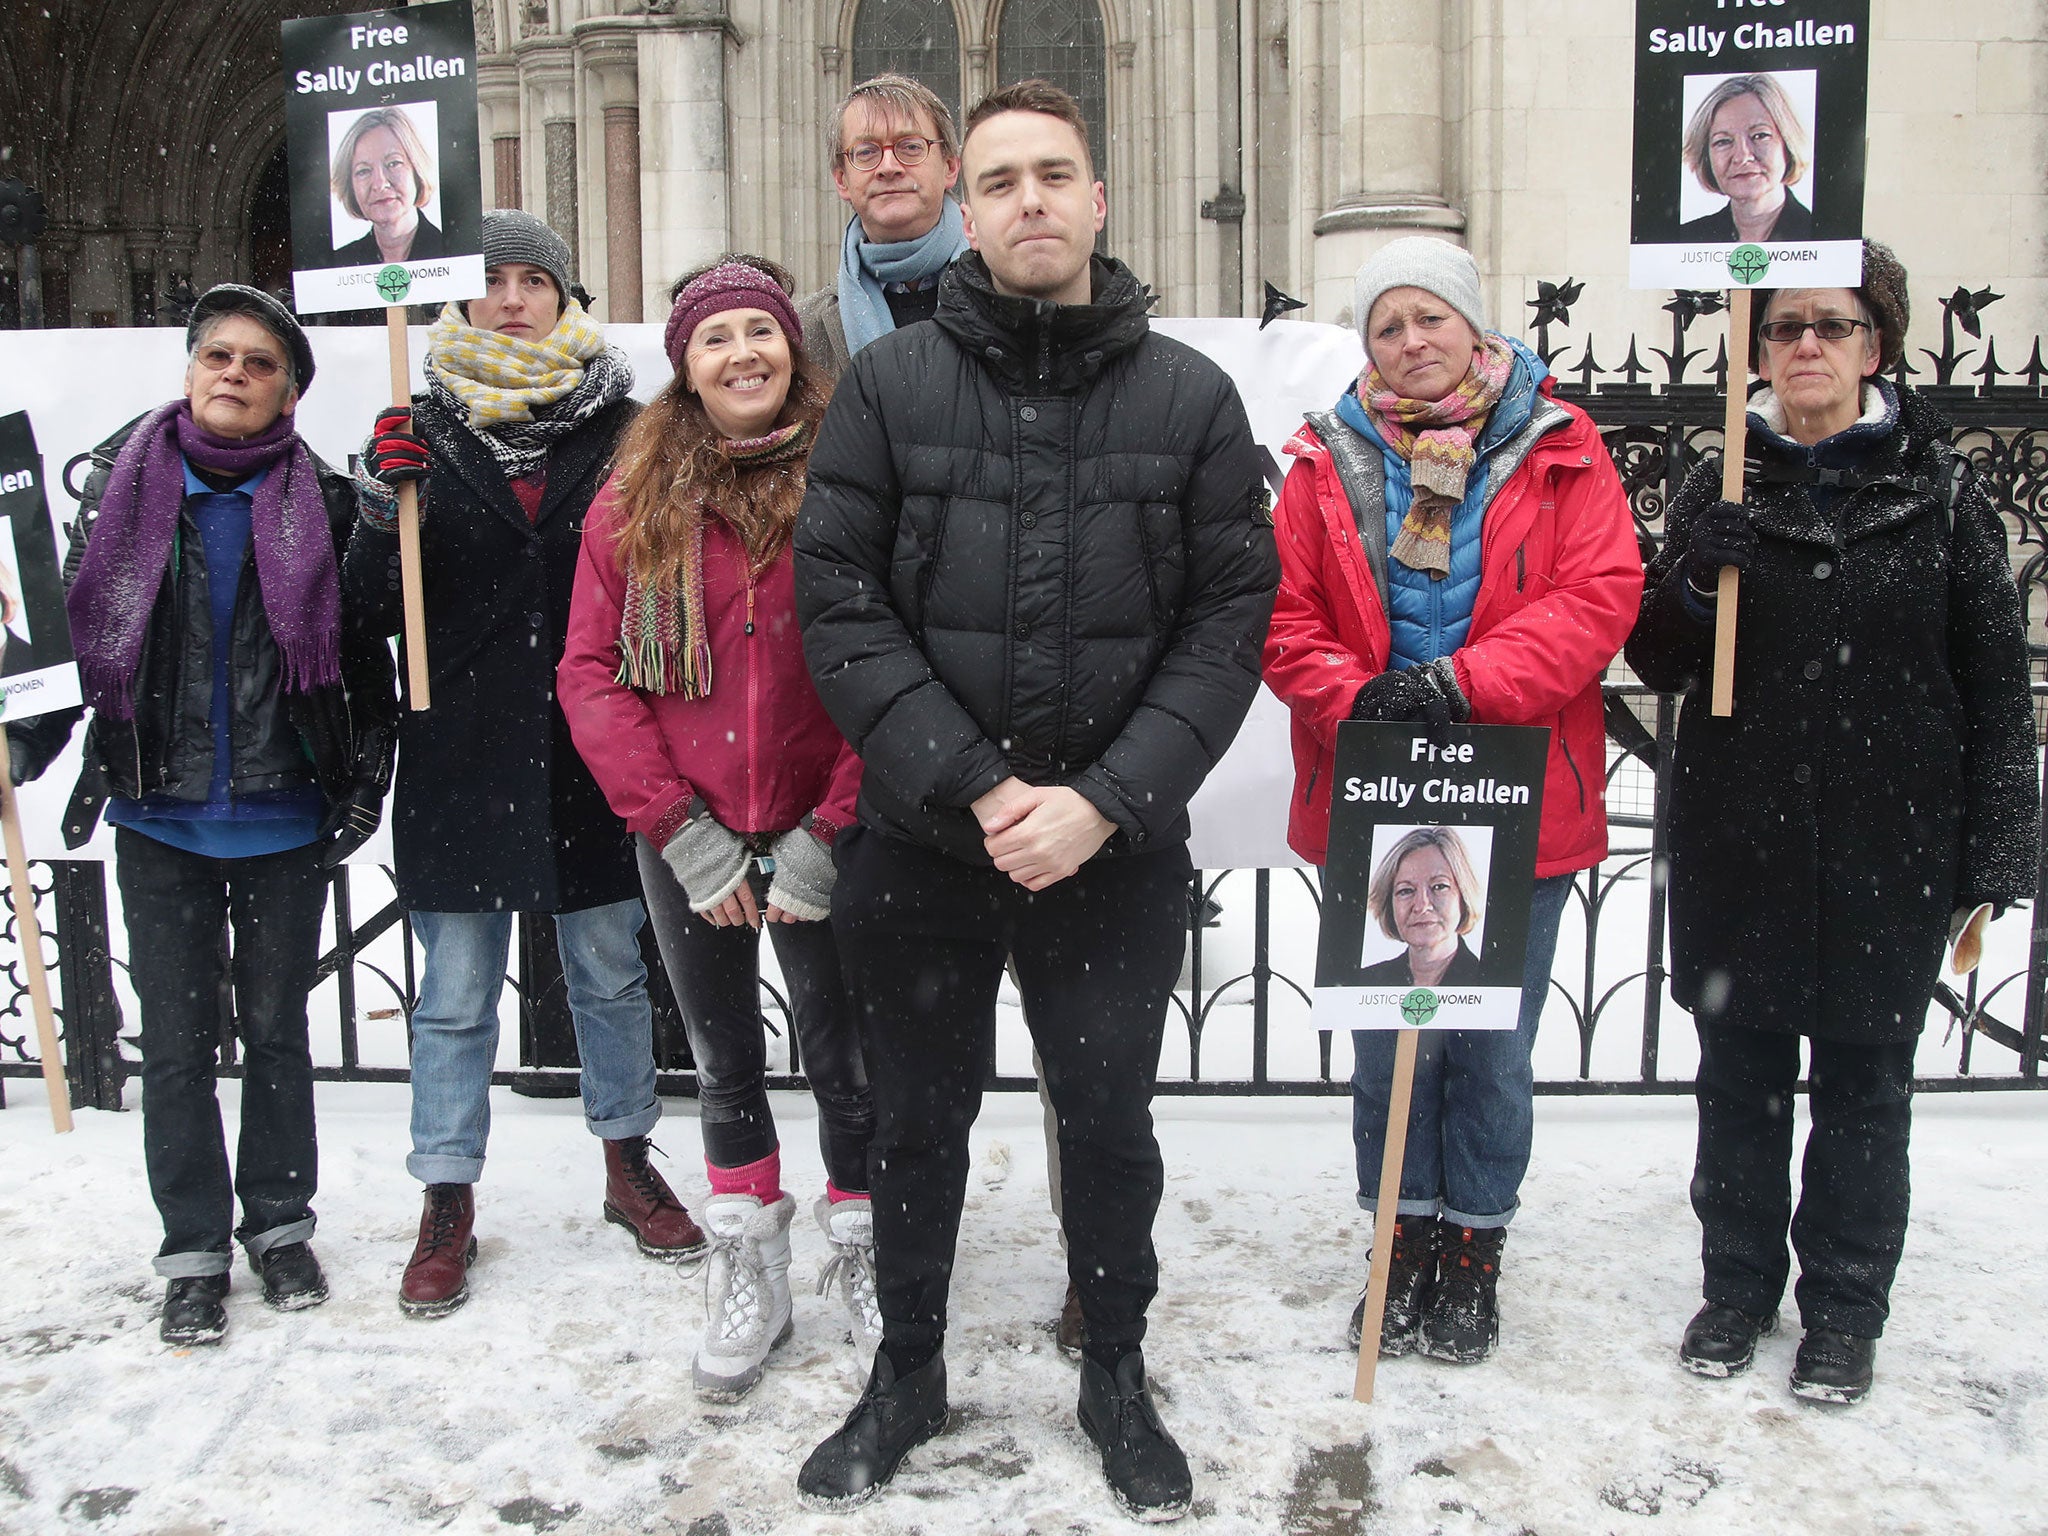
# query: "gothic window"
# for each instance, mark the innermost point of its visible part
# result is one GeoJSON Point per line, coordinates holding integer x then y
{"type": "Point", "coordinates": [1060, 41]}
{"type": "Point", "coordinates": [918, 38]}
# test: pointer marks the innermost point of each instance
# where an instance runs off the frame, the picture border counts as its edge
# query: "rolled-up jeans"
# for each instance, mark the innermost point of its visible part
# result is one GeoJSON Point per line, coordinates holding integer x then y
{"type": "Point", "coordinates": [1472, 1118]}
{"type": "Point", "coordinates": [455, 1030]}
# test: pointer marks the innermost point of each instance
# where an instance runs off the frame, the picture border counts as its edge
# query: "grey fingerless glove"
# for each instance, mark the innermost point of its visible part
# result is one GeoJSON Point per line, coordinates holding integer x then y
{"type": "Point", "coordinates": [708, 860]}
{"type": "Point", "coordinates": [802, 883]}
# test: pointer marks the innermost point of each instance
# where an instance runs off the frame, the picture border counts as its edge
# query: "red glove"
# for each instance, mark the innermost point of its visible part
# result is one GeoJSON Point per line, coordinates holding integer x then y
{"type": "Point", "coordinates": [395, 454]}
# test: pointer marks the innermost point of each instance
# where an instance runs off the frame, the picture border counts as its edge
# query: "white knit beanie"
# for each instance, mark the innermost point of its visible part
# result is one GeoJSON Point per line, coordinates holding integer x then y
{"type": "Point", "coordinates": [1425, 262]}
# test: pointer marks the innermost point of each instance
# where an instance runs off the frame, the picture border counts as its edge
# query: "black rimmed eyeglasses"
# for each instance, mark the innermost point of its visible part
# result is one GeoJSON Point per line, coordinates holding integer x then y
{"type": "Point", "coordinates": [1829, 328]}
{"type": "Point", "coordinates": [910, 150]}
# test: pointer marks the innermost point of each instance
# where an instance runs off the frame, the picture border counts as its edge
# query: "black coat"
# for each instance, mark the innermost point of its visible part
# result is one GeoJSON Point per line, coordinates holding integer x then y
{"type": "Point", "coordinates": [1794, 222]}
{"type": "Point", "coordinates": [1879, 770]}
{"type": "Point", "coordinates": [1035, 542]}
{"type": "Point", "coordinates": [494, 810]}
{"type": "Point", "coordinates": [1463, 971]}
{"type": "Point", "coordinates": [336, 736]}
{"type": "Point", "coordinates": [427, 243]}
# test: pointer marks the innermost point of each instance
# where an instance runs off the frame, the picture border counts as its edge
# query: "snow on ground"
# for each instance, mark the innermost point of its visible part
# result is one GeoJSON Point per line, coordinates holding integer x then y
{"type": "Point", "coordinates": [559, 1399]}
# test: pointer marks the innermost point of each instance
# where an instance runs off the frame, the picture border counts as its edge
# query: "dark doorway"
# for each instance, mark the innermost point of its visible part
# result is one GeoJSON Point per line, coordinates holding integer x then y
{"type": "Point", "coordinates": [270, 228]}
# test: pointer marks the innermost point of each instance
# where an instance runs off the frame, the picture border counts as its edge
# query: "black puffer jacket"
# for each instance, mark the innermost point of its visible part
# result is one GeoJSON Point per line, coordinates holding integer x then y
{"type": "Point", "coordinates": [1035, 542]}
{"type": "Point", "coordinates": [334, 736]}
{"type": "Point", "coordinates": [1879, 770]}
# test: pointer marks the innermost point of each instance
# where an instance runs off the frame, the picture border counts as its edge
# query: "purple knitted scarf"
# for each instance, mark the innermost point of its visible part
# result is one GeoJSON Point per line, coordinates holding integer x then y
{"type": "Point", "coordinates": [129, 550]}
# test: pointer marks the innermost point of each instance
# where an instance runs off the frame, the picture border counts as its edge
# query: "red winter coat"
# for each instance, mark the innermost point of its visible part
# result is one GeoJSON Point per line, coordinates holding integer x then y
{"type": "Point", "coordinates": [758, 749]}
{"type": "Point", "coordinates": [1560, 579]}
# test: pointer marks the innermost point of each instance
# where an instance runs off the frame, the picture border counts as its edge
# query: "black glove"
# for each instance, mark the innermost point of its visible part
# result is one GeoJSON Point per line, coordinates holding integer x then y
{"type": "Point", "coordinates": [395, 454]}
{"type": "Point", "coordinates": [349, 824]}
{"type": "Point", "coordinates": [1722, 536]}
{"type": "Point", "coordinates": [1419, 693]}
{"type": "Point", "coordinates": [17, 763]}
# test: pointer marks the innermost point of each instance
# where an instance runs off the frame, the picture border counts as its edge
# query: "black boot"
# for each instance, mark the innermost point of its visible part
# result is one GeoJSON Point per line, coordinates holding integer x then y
{"type": "Point", "coordinates": [1411, 1281]}
{"type": "Point", "coordinates": [1146, 1470]}
{"type": "Point", "coordinates": [1833, 1367]}
{"type": "Point", "coordinates": [1721, 1340]}
{"type": "Point", "coordinates": [291, 1277]}
{"type": "Point", "coordinates": [193, 1313]}
{"type": "Point", "coordinates": [1462, 1322]}
{"type": "Point", "coordinates": [891, 1418]}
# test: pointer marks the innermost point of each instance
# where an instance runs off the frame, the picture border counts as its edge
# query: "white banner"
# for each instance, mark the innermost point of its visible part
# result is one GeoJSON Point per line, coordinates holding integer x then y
{"type": "Point", "coordinates": [80, 386]}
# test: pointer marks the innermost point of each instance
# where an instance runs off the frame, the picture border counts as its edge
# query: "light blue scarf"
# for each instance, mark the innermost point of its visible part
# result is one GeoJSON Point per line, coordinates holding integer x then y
{"type": "Point", "coordinates": [865, 266]}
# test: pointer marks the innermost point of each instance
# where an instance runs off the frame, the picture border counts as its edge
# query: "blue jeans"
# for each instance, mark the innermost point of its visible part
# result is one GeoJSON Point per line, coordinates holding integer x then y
{"type": "Point", "coordinates": [1473, 1114]}
{"type": "Point", "coordinates": [455, 1030]}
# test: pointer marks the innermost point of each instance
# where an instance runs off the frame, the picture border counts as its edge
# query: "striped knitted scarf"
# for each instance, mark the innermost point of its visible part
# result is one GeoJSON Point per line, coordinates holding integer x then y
{"type": "Point", "coordinates": [518, 396]}
{"type": "Point", "coordinates": [664, 643]}
{"type": "Point", "coordinates": [1437, 438]}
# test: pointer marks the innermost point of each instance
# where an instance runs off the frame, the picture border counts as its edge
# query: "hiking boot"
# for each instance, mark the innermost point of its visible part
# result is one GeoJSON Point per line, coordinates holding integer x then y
{"type": "Point", "coordinates": [1721, 1340]}
{"type": "Point", "coordinates": [746, 1293]}
{"type": "Point", "coordinates": [1411, 1281]}
{"type": "Point", "coordinates": [1832, 1367]}
{"type": "Point", "coordinates": [638, 1198]}
{"type": "Point", "coordinates": [291, 1277]}
{"type": "Point", "coordinates": [849, 1226]}
{"type": "Point", "coordinates": [193, 1313]}
{"type": "Point", "coordinates": [1146, 1470]}
{"type": "Point", "coordinates": [1462, 1321]}
{"type": "Point", "coordinates": [1069, 1332]}
{"type": "Point", "coordinates": [891, 1419]}
{"type": "Point", "coordinates": [437, 1275]}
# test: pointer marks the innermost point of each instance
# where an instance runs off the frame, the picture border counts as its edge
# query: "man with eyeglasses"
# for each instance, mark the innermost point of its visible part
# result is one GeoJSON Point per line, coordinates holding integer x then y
{"type": "Point", "coordinates": [895, 155]}
{"type": "Point", "coordinates": [240, 744]}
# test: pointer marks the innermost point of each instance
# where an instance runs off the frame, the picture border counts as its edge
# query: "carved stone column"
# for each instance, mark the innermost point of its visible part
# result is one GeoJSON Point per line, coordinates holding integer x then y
{"type": "Point", "coordinates": [686, 196]}
{"type": "Point", "coordinates": [608, 50]}
{"type": "Point", "coordinates": [547, 73]}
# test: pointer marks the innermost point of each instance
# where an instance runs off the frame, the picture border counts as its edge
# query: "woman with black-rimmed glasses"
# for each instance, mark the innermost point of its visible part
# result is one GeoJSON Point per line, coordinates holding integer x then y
{"type": "Point", "coordinates": [1875, 786]}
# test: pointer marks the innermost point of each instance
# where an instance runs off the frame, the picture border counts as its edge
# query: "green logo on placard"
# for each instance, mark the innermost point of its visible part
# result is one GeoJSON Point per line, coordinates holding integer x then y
{"type": "Point", "coordinates": [394, 283]}
{"type": "Point", "coordinates": [1748, 263]}
{"type": "Point", "coordinates": [1419, 1007]}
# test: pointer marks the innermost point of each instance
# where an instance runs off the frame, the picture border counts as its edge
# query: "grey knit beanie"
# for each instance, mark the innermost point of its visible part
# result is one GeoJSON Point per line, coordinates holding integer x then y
{"type": "Point", "coordinates": [271, 314]}
{"type": "Point", "coordinates": [1420, 261]}
{"type": "Point", "coordinates": [511, 234]}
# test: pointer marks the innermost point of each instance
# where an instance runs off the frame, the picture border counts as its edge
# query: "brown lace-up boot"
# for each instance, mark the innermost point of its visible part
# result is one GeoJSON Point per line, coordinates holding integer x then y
{"type": "Point", "coordinates": [436, 1276]}
{"type": "Point", "coordinates": [638, 1198]}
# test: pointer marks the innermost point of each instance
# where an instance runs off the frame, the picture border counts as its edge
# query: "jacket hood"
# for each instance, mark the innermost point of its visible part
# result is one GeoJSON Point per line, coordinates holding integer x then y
{"type": "Point", "coordinates": [1034, 344]}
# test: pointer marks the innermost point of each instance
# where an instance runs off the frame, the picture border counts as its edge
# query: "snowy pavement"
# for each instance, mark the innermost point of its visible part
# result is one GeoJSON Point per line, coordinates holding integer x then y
{"type": "Point", "coordinates": [559, 1398]}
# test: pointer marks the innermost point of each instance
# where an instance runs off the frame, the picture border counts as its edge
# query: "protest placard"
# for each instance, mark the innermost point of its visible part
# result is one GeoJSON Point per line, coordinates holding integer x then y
{"type": "Point", "coordinates": [1749, 162]}
{"type": "Point", "coordinates": [387, 196]}
{"type": "Point", "coordinates": [1425, 912]}
{"type": "Point", "coordinates": [39, 675]}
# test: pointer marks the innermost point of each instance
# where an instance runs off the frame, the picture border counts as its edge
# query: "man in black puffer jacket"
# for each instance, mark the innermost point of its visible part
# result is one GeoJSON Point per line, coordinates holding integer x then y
{"type": "Point", "coordinates": [1034, 570]}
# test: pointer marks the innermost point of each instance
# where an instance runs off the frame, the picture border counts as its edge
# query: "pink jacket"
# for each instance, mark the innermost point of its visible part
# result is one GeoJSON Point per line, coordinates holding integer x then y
{"type": "Point", "coordinates": [1560, 579]}
{"type": "Point", "coordinates": [758, 749]}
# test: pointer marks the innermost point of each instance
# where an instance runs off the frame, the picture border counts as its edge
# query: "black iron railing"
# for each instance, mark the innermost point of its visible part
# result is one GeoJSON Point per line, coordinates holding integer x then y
{"type": "Point", "coordinates": [1610, 977]}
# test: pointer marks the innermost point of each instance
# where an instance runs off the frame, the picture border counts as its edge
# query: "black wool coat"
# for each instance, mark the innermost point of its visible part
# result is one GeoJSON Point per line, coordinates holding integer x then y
{"type": "Point", "coordinates": [494, 810]}
{"type": "Point", "coordinates": [1035, 542]}
{"type": "Point", "coordinates": [1879, 769]}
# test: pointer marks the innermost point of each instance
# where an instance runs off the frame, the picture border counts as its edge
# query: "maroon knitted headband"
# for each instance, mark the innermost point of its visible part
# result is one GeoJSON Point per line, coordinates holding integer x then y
{"type": "Point", "coordinates": [730, 285]}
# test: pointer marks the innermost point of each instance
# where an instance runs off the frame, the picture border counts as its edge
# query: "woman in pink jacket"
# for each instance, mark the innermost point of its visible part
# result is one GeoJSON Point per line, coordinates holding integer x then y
{"type": "Point", "coordinates": [685, 687]}
{"type": "Point", "coordinates": [1454, 545]}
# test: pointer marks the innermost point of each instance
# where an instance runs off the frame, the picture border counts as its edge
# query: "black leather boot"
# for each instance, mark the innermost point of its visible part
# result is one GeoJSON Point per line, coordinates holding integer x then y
{"type": "Point", "coordinates": [1833, 1367]}
{"type": "Point", "coordinates": [1721, 1340]}
{"type": "Point", "coordinates": [193, 1313]}
{"type": "Point", "coordinates": [1145, 1467]}
{"type": "Point", "coordinates": [891, 1418]}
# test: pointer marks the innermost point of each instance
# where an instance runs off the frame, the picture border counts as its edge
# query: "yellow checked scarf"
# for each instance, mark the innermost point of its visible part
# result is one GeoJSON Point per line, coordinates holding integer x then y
{"type": "Point", "coordinates": [518, 396]}
{"type": "Point", "coordinates": [1437, 438]}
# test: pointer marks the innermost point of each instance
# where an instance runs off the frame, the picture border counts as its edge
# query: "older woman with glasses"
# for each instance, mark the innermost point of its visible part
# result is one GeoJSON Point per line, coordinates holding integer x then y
{"type": "Point", "coordinates": [1875, 785]}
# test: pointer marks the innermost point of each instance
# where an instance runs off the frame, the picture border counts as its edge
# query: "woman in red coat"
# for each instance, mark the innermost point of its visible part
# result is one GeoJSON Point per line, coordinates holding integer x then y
{"type": "Point", "coordinates": [1501, 579]}
{"type": "Point", "coordinates": [685, 687]}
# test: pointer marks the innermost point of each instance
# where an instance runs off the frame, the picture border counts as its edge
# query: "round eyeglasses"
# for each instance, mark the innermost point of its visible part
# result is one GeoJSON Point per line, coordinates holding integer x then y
{"type": "Point", "coordinates": [909, 151]}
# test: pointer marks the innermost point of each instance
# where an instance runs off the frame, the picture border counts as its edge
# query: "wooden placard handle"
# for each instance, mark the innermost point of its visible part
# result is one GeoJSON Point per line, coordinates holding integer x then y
{"type": "Point", "coordinates": [1385, 1215]}
{"type": "Point", "coordinates": [30, 936]}
{"type": "Point", "coordinates": [417, 688]}
{"type": "Point", "coordinates": [1734, 436]}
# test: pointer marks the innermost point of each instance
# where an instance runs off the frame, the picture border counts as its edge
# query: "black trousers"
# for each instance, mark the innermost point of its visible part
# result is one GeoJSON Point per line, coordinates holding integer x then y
{"type": "Point", "coordinates": [715, 974]}
{"type": "Point", "coordinates": [174, 904]}
{"type": "Point", "coordinates": [923, 939]}
{"type": "Point", "coordinates": [1855, 1185]}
